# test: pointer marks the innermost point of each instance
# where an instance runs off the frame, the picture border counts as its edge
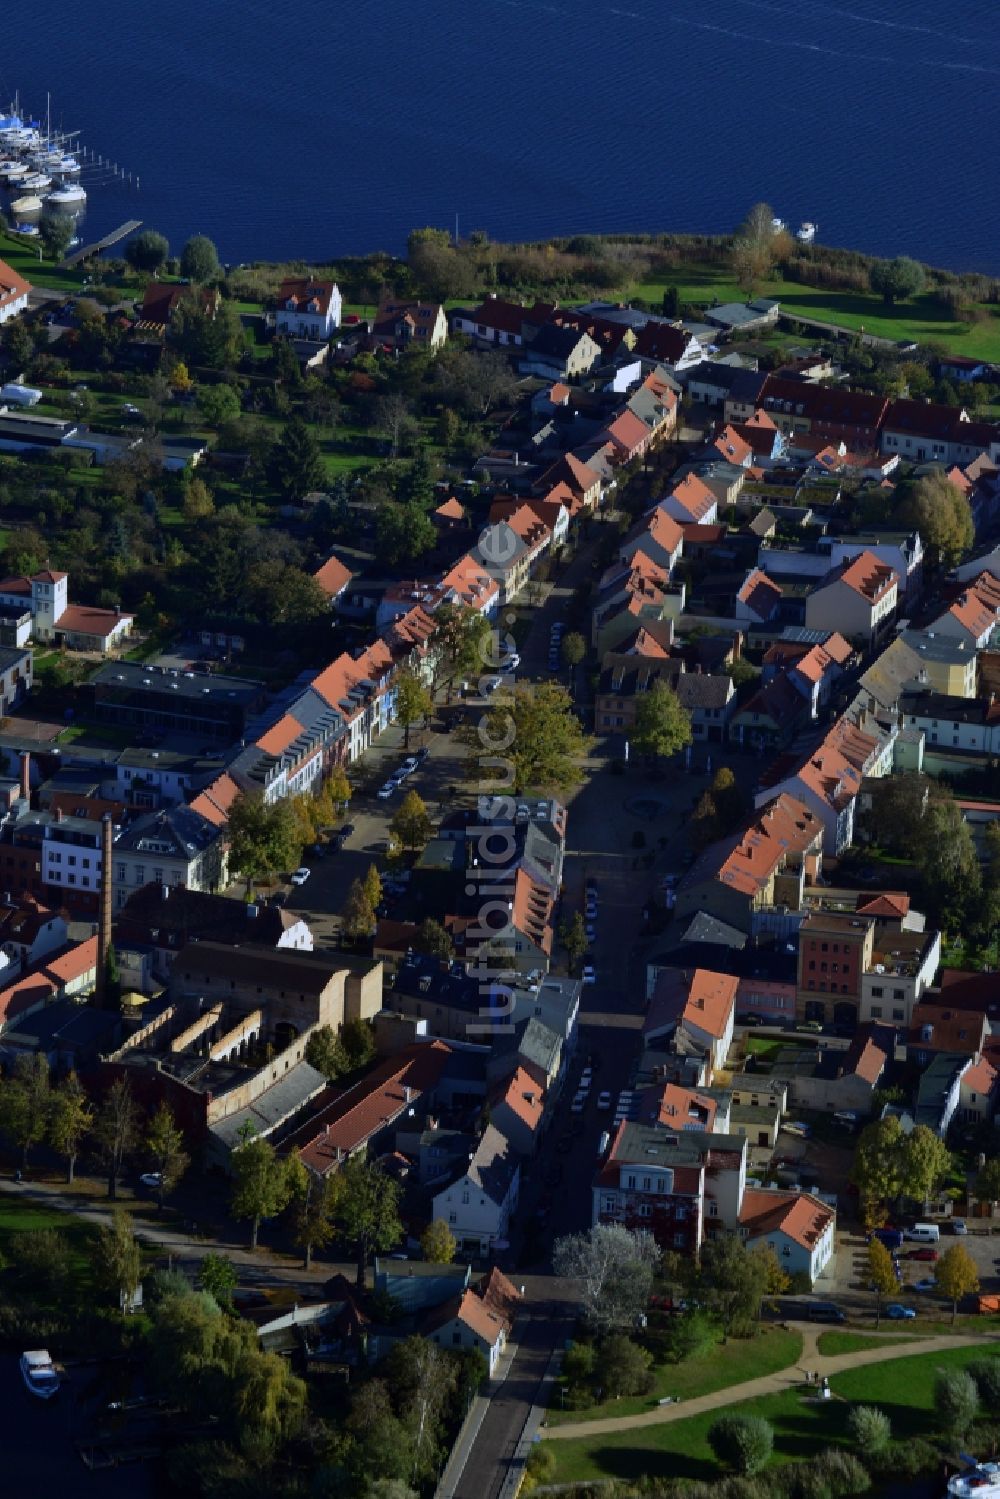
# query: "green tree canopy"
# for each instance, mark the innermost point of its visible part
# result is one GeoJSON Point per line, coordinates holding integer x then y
{"type": "Point", "coordinates": [358, 915]}
{"type": "Point", "coordinates": [295, 464]}
{"type": "Point", "coordinates": [218, 404]}
{"type": "Point", "coordinates": [147, 251]}
{"type": "Point", "coordinates": [326, 1053]}
{"type": "Point", "coordinates": [56, 231]}
{"type": "Point", "coordinates": [956, 1401]}
{"type": "Point", "coordinates": [412, 824]}
{"type": "Point", "coordinates": [898, 280]}
{"type": "Point", "coordinates": [165, 1149]}
{"type": "Point", "coordinates": [70, 1120]}
{"type": "Point", "coordinates": [573, 649]}
{"type": "Point", "coordinates": [538, 735]}
{"type": "Point", "coordinates": [403, 533]}
{"type": "Point", "coordinates": [260, 1183]}
{"type": "Point", "coordinates": [200, 260]}
{"type": "Point", "coordinates": [432, 938]}
{"type": "Point", "coordinates": [734, 1281]}
{"type": "Point", "coordinates": [366, 1211]}
{"type": "Point", "coordinates": [262, 839]}
{"type": "Point", "coordinates": [662, 726]}
{"type": "Point", "coordinates": [881, 1274]}
{"type": "Point", "coordinates": [941, 513]}
{"type": "Point", "coordinates": [464, 638]}
{"type": "Point", "coordinates": [25, 1103]}
{"type": "Point", "coordinates": [118, 1260]}
{"type": "Point", "coordinates": [413, 702]}
{"type": "Point", "coordinates": [878, 1166]}
{"type": "Point", "coordinates": [437, 1243]}
{"type": "Point", "coordinates": [956, 1276]}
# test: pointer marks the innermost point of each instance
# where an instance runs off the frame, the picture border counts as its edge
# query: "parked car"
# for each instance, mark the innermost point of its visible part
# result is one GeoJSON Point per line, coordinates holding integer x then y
{"type": "Point", "coordinates": [591, 931]}
{"type": "Point", "coordinates": [511, 662]}
{"type": "Point", "coordinates": [384, 792]}
{"type": "Point", "coordinates": [421, 754]}
{"type": "Point", "coordinates": [958, 1226]}
{"type": "Point", "coordinates": [589, 974]}
{"type": "Point", "coordinates": [898, 1313]}
{"type": "Point", "coordinates": [922, 1254]}
{"type": "Point", "coordinates": [347, 831]}
{"type": "Point", "coordinates": [409, 765]}
{"type": "Point", "coordinates": [604, 1101]}
{"type": "Point", "coordinates": [151, 1179]}
{"type": "Point", "coordinates": [579, 1104]}
{"type": "Point", "coordinates": [925, 1285]}
{"type": "Point", "coordinates": [301, 875]}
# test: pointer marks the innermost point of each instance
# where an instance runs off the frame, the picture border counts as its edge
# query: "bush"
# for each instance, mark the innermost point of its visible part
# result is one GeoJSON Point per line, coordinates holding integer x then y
{"type": "Point", "coordinates": [985, 1374]}
{"type": "Point", "coordinates": [688, 1335]}
{"type": "Point", "coordinates": [540, 1466]}
{"type": "Point", "coordinates": [578, 1363]}
{"type": "Point", "coordinates": [870, 1429]}
{"type": "Point", "coordinates": [163, 1283]}
{"type": "Point", "coordinates": [624, 1367]}
{"type": "Point", "coordinates": [41, 1258]}
{"type": "Point", "coordinates": [742, 1442]}
{"type": "Point", "coordinates": [956, 1400]}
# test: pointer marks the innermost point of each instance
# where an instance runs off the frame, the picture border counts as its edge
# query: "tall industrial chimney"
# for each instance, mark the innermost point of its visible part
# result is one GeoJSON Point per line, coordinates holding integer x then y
{"type": "Point", "coordinates": [26, 775]}
{"type": "Point", "coordinates": [104, 912]}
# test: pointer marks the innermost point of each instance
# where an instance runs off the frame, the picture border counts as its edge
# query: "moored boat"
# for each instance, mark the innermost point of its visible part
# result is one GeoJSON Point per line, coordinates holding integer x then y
{"type": "Point", "coordinates": [978, 1481]}
{"type": "Point", "coordinates": [40, 1375]}
{"type": "Point", "coordinates": [807, 232]}
{"type": "Point", "coordinates": [23, 206]}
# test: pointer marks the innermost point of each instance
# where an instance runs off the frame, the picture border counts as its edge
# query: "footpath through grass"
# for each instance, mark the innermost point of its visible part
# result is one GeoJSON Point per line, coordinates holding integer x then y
{"type": "Point", "coordinates": [803, 1424]}
{"type": "Point", "coordinates": [714, 1369]}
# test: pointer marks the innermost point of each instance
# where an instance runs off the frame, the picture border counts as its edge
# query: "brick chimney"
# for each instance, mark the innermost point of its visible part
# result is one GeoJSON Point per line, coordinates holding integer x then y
{"type": "Point", "coordinates": [26, 775]}
{"type": "Point", "coordinates": [104, 912]}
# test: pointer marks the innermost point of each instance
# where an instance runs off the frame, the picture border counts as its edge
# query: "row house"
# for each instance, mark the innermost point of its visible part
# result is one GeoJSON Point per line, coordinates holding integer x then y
{"type": "Point", "coordinates": [969, 725]}
{"type": "Point", "coordinates": [766, 863]}
{"type": "Point", "coordinates": [926, 432]}
{"type": "Point", "coordinates": [635, 597]}
{"type": "Point", "coordinates": [680, 1185]}
{"type": "Point", "coordinates": [509, 550]}
{"type": "Point", "coordinates": [552, 514]}
{"type": "Point", "coordinates": [695, 1011]}
{"type": "Point", "coordinates": [859, 598]}
{"type": "Point", "coordinates": [622, 683]}
{"type": "Point", "coordinates": [972, 618]}
{"type": "Point", "coordinates": [659, 537]}
{"type": "Point", "coordinates": [692, 502]}
{"type": "Point", "coordinates": [830, 414]}
{"type": "Point", "coordinates": [359, 691]}
{"type": "Point", "coordinates": [812, 670]}
{"type": "Point", "coordinates": [581, 479]}
{"type": "Point", "coordinates": [828, 780]}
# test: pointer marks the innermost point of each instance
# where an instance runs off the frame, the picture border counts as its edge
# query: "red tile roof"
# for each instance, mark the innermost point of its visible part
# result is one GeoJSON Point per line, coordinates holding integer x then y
{"type": "Point", "coordinates": [333, 577]}
{"type": "Point", "coordinates": [760, 594]}
{"type": "Point", "coordinates": [351, 1119]}
{"type": "Point", "coordinates": [300, 292]}
{"type": "Point", "coordinates": [868, 576]}
{"type": "Point", "coordinates": [798, 1215]}
{"type": "Point", "coordinates": [12, 285]}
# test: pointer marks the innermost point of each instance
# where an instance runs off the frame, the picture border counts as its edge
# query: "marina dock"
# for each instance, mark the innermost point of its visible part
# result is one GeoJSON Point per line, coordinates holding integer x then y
{"type": "Point", "coordinates": [122, 232]}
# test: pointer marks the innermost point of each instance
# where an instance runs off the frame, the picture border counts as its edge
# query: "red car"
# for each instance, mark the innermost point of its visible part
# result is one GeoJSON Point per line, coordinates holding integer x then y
{"type": "Point", "coordinates": [922, 1254]}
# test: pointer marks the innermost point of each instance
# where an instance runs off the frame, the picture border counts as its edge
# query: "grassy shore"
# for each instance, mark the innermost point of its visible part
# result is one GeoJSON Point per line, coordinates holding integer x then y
{"type": "Point", "coordinates": [920, 320]}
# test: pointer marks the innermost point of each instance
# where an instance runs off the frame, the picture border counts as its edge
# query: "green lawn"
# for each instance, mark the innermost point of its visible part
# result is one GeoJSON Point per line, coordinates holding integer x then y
{"type": "Point", "coordinates": [920, 320]}
{"type": "Point", "coordinates": [832, 1344]}
{"type": "Point", "coordinates": [22, 256]}
{"type": "Point", "coordinates": [903, 1387]}
{"type": "Point", "coordinates": [715, 1369]}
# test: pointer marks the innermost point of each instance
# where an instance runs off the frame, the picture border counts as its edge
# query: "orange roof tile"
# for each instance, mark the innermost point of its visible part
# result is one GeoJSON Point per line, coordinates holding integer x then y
{"type": "Point", "coordinates": [215, 801]}
{"type": "Point", "coordinates": [869, 577]}
{"type": "Point", "coordinates": [333, 577]}
{"type": "Point", "coordinates": [798, 1215]}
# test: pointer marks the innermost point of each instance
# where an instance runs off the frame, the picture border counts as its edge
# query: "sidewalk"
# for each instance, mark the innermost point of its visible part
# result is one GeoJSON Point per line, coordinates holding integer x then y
{"type": "Point", "coordinates": [771, 1384]}
{"type": "Point", "coordinates": [185, 1247]}
{"type": "Point", "coordinates": [455, 1466]}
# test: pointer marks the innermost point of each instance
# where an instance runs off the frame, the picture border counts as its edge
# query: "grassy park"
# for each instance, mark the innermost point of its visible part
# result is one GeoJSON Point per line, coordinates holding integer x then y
{"type": "Point", "coordinates": [803, 1425]}
{"type": "Point", "coordinates": [713, 1369]}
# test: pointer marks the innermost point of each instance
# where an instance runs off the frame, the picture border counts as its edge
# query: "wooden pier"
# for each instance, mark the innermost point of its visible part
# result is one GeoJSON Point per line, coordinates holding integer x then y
{"type": "Point", "coordinates": [113, 238]}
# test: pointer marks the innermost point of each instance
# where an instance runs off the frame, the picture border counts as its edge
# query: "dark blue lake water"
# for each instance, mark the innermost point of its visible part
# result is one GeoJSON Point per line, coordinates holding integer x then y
{"type": "Point", "coordinates": [319, 129]}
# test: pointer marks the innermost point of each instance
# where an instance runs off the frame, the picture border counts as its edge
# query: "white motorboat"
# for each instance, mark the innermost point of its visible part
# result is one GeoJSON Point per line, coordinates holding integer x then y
{"type": "Point", "coordinates": [14, 171]}
{"type": "Point", "coordinates": [28, 229]}
{"type": "Point", "coordinates": [35, 182]}
{"type": "Point", "coordinates": [21, 207]}
{"type": "Point", "coordinates": [40, 1375]}
{"type": "Point", "coordinates": [807, 232]}
{"type": "Point", "coordinates": [778, 226]}
{"type": "Point", "coordinates": [978, 1481]}
{"type": "Point", "coordinates": [70, 195]}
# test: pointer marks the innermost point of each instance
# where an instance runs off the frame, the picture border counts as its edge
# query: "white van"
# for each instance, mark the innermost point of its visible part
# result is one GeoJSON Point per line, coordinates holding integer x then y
{"type": "Point", "coordinates": [923, 1233]}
